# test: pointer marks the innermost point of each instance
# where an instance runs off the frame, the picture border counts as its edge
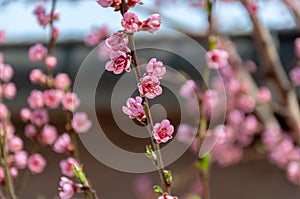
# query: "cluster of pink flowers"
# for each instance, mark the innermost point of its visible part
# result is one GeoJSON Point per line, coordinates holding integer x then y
{"type": "Point", "coordinates": [117, 3]}
{"type": "Point", "coordinates": [43, 18]}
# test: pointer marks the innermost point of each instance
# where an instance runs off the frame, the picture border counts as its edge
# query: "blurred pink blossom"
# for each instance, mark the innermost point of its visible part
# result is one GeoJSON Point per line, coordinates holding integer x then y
{"type": "Point", "coordinates": [51, 98]}
{"type": "Point", "coordinates": [39, 117]}
{"type": "Point", "coordinates": [37, 76]}
{"type": "Point", "coordinates": [6, 72]}
{"type": "Point", "coordinates": [295, 76]}
{"type": "Point", "coordinates": [152, 24]}
{"type": "Point", "coordinates": [31, 131]}
{"type": "Point", "coordinates": [216, 58]}
{"type": "Point", "coordinates": [20, 159]}
{"type": "Point", "coordinates": [15, 144]}
{"type": "Point", "coordinates": [25, 114]}
{"type": "Point", "coordinates": [67, 188]}
{"type": "Point", "coordinates": [67, 165]}
{"type": "Point", "coordinates": [36, 99]}
{"type": "Point", "coordinates": [49, 134]}
{"type": "Point", "coordinates": [63, 144]}
{"type": "Point", "coordinates": [62, 81]}
{"type": "Point", "coordinates": [80, 122]}
{"type": "Point", "coordinates": [36, 163]}
{"type": "Point", "coordinates": [37, 53]}
{"type": "Point", "coordinates": [50, 62]}
{"type": "Point", "coordinates": [70, 101]}
{"type": "Point", "coordinates": [264, 95]}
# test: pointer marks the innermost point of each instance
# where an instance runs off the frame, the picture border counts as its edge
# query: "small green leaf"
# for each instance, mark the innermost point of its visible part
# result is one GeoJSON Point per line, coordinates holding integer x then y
{"type": "Point", "coordinates": [150, 153]}
{"type": "Point", "coordinates": [79, 174]}
{"type": "Point", "coordinates": [168, 176]}
{"type": "Point", "coordinates": [157, 189]}
{"type": "Point", "coordinates": [204, 163]}
{"type": "Point", "coordinates": [194, 196]}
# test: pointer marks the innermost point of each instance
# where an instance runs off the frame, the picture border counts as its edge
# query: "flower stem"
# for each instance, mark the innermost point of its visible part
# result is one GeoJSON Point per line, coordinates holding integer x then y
{"type": "Point", "coordinates": [8, 181]}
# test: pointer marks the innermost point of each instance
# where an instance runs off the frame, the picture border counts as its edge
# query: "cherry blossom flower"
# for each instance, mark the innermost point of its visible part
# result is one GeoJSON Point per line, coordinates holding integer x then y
{"type": "Point", "coordinates": [62, 81]}
{"type": "Point", "coordinates": [2, 36]}
{"type": "Point", "coordinates": [119, 61]}
{"type": "Point", "coordinates": [132, 3]}
{"type": "Point", "coordinates": [36, 99]}
{"type": "Point", "coordinates": [25, 114]}
{"type": "Point", "coordinates": [80, 122]}
{"type": "Point", "coordinates": [96, 36]}
{"type": "Point", "coordinates": [6, 72]}
{"type": "Point", "coordinates": [105, 3]}
{"type": "Point", "coordinates": [49, 134]}
{"type": "Point", "coordinates": [185, 133]}
{"type": "Point", "coordinates": [162, 132]}
{"type": "Point", "coordinates": [117, 42]}
{"type": "Point", "coordinates": [216, 58]}
{"type": "Point", "coordinates": [264, 95]}
{"type": "Point", "coordinates": [31, 131]}
{"type": "Point", "coordinates": [155, 68]}
{"type": "Point", "coordinates": [51, 98]}
{"type": "Point", "coordinates": [67, 165]}
{"type": "Point", "coordinates": [37, 76]}
{"type": "Point", "coordinates": [66, 188]}
{"type": "Point", "coordinates": [167, 196]}
{"type": "Point", "coordinates": [134, 108]}
{"type": "Point", "coordinates": [295, 76]}
{"type": "Point", "coordinates": [70, 101]}
{"type": "Point", "coordinates": [252, 7]}
{"type": "Point", "coordinates": [1, 58]}
{"type": "Point", "coordinates": [63, 144]}
{"type": "Point", "coordinates": [4, 112]}
{"type": "Point", "coordinates": [9, 90]}
{"type": "Point", "coordinates": [20, 159]}
{"type": "Point", "coordinates": [149, 86]}
{"type": "Point", "coordinates": [39, 117]}
{"type": "Point", "coordinates": [50, 62]}
{"type": "Point", "coordinates": [15, 144]}
{"type": "Point", "coordinates": [36, 163]}
{"type": "Point", "coordinates": [152, 24]}
{"type": "Point", "coordinates": [39, 10]}
{"type": "Point", "coordinates": [37, 53]}
{"type": "Point", "coordinates": [293, 172]}
{"type": "Point", "coordinates": [130, 22]}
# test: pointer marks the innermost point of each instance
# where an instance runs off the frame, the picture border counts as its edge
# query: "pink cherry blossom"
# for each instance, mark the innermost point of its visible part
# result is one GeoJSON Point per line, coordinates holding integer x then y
{"type": "Point", "coordinates": [246, 103]}
{"type": "Point", "coordinates": [134, 108]}
{"type": "Point", "coordinates": [132, 3]}
{"type": "Point", "coordinates": [264, 95]}
{"type": "Point", "coordinates": [2, 36]}
{"type": "Point", "coordinates": [50, 62]}
{"type": "Point", "coordinates": [188, 89]}
{"type": "Point", "coordinates": [13, 172]}
{"type": "Point", "coordinates": [51, 98]}
{"type": "Point", "coordinates": [54, 32]}
{"type": "Point", "coordinates": [4, 112]}
{"type": "Point", "coordinates": [295, 76]}
{"type": "Point", "coordinates": [38, 10]}
{"type": "Point", "coordinates": [37, 52]}
{"type": "Point", "coordinates": [37, 76]}
{"type": "Point", "coordinates": [130, 22]}
{"type": "Point", "coordinates": [31, 131]}
{"type": "Point", "coordinates": [224, 133]}
{"type": "Point", "coordinates": [250, 125]}
{"type": "Point", "coordinates": [227, 155]}
{"type": "Point", "coordinates": [235, 117]}
{"type": "Point", "coordinates": [36, 99]}
{"type": "Point", "coordinates": [80, 122]}
{"type": "Point", "coordinates": [149, 86]}
{"type": "Point", "coordinates": [36, 163]}
{"type": "Point", "coordinates": [297, 47]}
{"type": "Point", "coordinates": [271, 136]}
{"type": "Point", "coordinates": [167, 196]}
{"type": "Point", "coordinates": [66, 188]}
{"type": "Point", "coordinates": [48, 134]}
{"type": "Point", "coordinates": [70, 101]}
{"type": "Point", "coordinates": [119, 61]}
{"type": "Point", "coordinates": [185, 133]}
{"type": "Point", "coordinates": [15, 144]}
{"type": "Point", "coordinates": [155, 68]}
{"type": "Point", "coordinates": [216, 58]}
{"type": "Point", "coordinates": [293, 172]}
{"type": "Point", "coordinates": [279, 154]}
{"type": "Point", "coordinates": [62, 81]}
{"type": "Point", "coordinates": [25, 114]}
{"type": "Point", "coordinates": [105, 3]}
{"type": "Point", "coordinates": [67, 165]}
{"type": "Point", "coordinates": [162, 132]}
{"type": "Point", "coordinates": [117, 42]}
{"type": "Point", "coordinates": [252, 7]}
{"type": "Point", "coordinates": [10, 90]}
{"type": "Point", "coordinates": [39, 117]}
{"type": "Point", "coordinates": [63, 144]}
{"type": "Point", "coordinates": [6, 72]}
{"type": "Point", "coordinates": [20, 159]}
{"type": "Point", "coordinates": [152, 24]}
{"type": "Point", "coordinates": [1, 58]}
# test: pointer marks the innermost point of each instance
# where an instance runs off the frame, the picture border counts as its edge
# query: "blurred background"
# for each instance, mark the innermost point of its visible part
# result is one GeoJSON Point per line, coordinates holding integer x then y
{"type": "Point", "coordinates": [253, 177]}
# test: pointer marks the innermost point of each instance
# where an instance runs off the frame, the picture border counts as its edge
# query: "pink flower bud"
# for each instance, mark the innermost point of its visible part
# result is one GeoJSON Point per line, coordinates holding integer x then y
{"type": "Point", "coordinates": [39, 10]}
{"type": "Point", "coordinates": [13, 172]}
{"type": "Point", "coordinates": [297, 47]}
{"type": "Point", "coordinates": [49, 134]}
{"type": "Point", "coordinates": [295, 76]}
{"type": "Point", "coordinates": [36, 163]}
{"type": "Point", "coordinates": [264, 95]}
{"type": "Point", "coordinates": [4, 112]}
{"type": "Point", "coordinates": [31, 131]}
{"type": "Point", "coordinates": [70, 101]}
{"type": "Point", "coordinates": [63, 144]}
{"type": "Point", "coordinates": [39, 117]}
{"type": "Point", "coordinates": [20, 159]}
{"type": "Point", "coordinates": [117, 42]}
{"type": "Point", "coordinates": [37, 76]}
{"type": "Point", "coordinates": [1, 58]}
{"type": "Point", "coordinates": [105, 3]}
{"type": "Point", "coordinates": [55, 32]}
{"type": "Point", "coordinates": [155, 68]}
{"type": "Point", "coordinates": [50, 62]}
{"type": "Point", "coordinates": [152, 24]}
{"type": "Point", "coordinates": [67, 188]}
{"type": "Point", "coordinates": [188, 89]}
{"type": "Point", "coordinates": [10, 90]}
{"type": "Point", "coordinates": [62, 81]}
{"type": "Point", "coordinates": [67, 166]}
{"type": "Point", "coordinates": [37, 52]}
{"type": "Point", "coordinates": [162, 132]}
{"type": "Point", "coordinates": [15, 144]}
{"type": "Point", "coordinates": [36, 99]}
{"type": "Point", "coordinates": [25, 114]}
{"type": "Point", "coordinates": [2, 36]}
{"type": "Point", "coordinates": [293, 172]}
{"type": "Point", "coordinates": [6, 72]}
{"type": "Point", "coordinates": [80, 122]}
{"type": "Point", "coordinates": [51, 98]}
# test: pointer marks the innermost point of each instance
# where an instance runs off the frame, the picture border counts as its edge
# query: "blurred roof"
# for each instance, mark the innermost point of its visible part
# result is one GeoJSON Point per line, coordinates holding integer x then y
{"type": "Point", "coordinates": [78, 17]}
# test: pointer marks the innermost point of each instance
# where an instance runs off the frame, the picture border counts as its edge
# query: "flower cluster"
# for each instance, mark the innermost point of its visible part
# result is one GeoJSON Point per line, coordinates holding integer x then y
{"type": "Point", "coordinates": [96, 36]}
{"type": "Point", "coordinates": [117, 3]}
{"type": "Point", "coordinates": [43, 18]}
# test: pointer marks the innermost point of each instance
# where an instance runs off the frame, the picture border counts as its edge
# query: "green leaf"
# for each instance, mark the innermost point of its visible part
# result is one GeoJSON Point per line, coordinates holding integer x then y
{"type": "Point", "coordinates": [150, 153]}
{"type": "Point", "coordinates": [204, 163]}
{"type": "Point", "coordinates": [157, 189]}
{"type": "Point", "coordinates": [79, 174]}
{"type": "Point", "coordinates": [168, 176]}
{"type": "Point", "coordinates": [194, 196]}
